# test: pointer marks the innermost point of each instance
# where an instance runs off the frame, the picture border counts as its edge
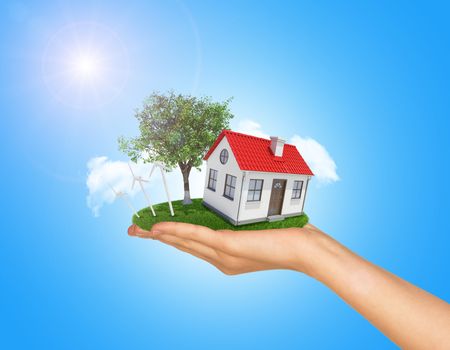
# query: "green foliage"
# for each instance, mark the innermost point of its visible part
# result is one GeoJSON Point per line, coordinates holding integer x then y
{"type": "Point", "coordinates": [176, 129]}
{"type": "Point", "coordinates": [197, 213]}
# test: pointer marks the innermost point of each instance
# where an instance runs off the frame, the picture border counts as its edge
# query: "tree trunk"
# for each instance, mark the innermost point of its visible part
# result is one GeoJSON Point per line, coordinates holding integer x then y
{"type": "Point", "coordinates": [185, 170]}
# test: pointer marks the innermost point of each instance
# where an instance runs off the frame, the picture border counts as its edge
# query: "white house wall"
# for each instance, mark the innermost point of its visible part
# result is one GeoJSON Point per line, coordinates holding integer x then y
{"type": "Point", "coordinates": [216, 198]}
{"type": "Point", "coordinates": [257, 210]}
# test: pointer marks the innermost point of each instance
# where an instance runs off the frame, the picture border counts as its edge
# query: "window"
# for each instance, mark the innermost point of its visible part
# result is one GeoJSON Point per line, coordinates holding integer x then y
{"type": "Point", "coordinates": [212, 181]}
{"type": "Point", "coordinates": [254, 190]}
{"type": "Point", "coordinates": [297, 189]}
{"type": "Point", "coordinates": [223, 156]}
{"type": "Point", "coordinates": [230, 186]}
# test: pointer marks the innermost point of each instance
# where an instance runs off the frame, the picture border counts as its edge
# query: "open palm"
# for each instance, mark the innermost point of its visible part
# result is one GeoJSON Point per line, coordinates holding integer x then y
{"type": "Point", "coordinates": [235, 252]}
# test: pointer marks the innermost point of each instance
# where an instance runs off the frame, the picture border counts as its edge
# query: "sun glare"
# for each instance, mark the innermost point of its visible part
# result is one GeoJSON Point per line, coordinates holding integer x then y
{"type": "Point", "coordinates": [85, 65]}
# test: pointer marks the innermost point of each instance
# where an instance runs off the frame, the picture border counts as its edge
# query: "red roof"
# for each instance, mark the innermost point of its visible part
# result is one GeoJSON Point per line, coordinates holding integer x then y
{"type": "Point", "coordinates": [254, 153]}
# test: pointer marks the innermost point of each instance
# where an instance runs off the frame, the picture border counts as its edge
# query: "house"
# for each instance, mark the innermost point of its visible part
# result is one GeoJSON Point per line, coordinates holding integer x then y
{"type": "Point", "coordinates": [251, 179]}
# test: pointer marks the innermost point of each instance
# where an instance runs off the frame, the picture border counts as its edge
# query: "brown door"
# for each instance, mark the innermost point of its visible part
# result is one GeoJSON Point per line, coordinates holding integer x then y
{"type": "Point", "coordinates": [276, 197]}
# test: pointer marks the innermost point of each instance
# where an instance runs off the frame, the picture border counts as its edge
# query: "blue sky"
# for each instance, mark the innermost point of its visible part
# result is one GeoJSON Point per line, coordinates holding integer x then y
{"type": "Point", "coordinates": [369, 81]}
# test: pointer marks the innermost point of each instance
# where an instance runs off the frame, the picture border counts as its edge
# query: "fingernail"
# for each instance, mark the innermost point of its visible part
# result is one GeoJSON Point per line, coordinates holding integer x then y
{"type": "Point", "coordinates": [131, 231]}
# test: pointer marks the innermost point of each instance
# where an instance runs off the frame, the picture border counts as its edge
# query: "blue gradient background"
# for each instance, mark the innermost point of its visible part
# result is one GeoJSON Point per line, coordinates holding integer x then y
{"type": "Point", "coordinates": [368, 81]}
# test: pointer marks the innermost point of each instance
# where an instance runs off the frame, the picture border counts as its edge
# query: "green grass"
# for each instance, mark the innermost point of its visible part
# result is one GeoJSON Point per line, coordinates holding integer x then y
{"type": "Point", "coordinates": [197, 213]}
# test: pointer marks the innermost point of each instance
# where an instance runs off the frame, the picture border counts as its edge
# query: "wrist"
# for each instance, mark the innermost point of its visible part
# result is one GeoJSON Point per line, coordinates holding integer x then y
{"type": "Point", "coordinates": [317, 254]}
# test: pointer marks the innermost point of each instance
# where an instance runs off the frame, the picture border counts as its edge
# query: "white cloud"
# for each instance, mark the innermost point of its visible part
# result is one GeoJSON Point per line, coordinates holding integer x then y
{"type": "Point", "coordinates": [317, 157]}
{"type": "Point", "coordinates": [251, 127]}
{"type": "Point", "coordinates": [103, 173]}
{"type": "Point", "coordinates": [315, 154]}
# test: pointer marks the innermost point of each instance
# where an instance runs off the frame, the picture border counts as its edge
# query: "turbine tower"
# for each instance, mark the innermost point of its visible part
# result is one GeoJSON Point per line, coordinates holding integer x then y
{"type": "Point", "coordinates": [163, 174]}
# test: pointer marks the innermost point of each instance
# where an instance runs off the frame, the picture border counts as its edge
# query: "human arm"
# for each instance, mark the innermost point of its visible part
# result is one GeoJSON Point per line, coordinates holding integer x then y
{"type": "Point", "coordinates": [409, 316]}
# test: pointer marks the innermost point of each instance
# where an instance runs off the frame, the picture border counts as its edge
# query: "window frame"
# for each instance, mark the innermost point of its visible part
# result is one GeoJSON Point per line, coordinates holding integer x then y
{"type": "Point", "coordinates": [212, 179]}
{"type": "Point", "coordinates": [297, 190]}
{"type": "Point", "coordinates": [231, 186]}
{"type": "Point", "coordinates": [224, 156]}
{"type": "Point", "coordinates": [255, 190]}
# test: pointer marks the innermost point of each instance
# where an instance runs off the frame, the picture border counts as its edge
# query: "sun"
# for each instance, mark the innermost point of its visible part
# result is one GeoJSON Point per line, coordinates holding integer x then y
{"type": "Point", "coordinates": [86, 66]}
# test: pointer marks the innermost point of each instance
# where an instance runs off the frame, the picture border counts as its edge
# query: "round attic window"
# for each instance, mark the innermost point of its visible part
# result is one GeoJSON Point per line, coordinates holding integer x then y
{"type": "Point", "coordinates": [223, 156]}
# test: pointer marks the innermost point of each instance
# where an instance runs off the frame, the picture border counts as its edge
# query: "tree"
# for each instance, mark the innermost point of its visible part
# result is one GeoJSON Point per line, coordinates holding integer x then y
{"type": "Point", "coordinates": [177, 130]}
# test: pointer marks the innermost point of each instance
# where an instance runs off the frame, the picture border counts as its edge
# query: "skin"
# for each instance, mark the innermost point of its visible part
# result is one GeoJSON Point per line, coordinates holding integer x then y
{"type": "Point", "coordinates": [409, 316]}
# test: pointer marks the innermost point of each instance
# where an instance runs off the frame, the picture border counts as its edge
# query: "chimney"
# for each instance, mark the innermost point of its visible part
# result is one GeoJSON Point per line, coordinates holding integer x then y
{"type": "Point", "coordinates": [277, 146]}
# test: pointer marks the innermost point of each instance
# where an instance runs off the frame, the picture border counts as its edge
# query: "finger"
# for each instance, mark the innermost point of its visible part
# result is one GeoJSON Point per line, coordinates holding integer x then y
{"type": "Point", "coordinates": [227, 264]}
{"type": "Point", "coordinates": [136, 231]}
{"type": "Point", "coordinates": [223, 261]}
{"type": "Point", "coordinates": [132, 230]}
{"type": "Point", "coordinates": [246, 244]}
{"type": "Point", "coordinates": [200, 234]}
{"type": "Point", "coordinates": [192, 246]}
{"type": "Point", "coordinates": [196, 253]}
{"type": "Point", "coordinates": [190, 251]}
{"type": "Point", "coordinates": [171, 239]}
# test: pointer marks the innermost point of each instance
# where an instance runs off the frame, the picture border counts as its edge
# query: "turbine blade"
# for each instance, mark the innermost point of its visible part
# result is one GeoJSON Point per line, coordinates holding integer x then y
{"type": "Point", "coordinates": [132, 173]}
{"type": "Point", "coordinates": [153, 169]}
{"type": "Point", "coordinates": [112, 188]}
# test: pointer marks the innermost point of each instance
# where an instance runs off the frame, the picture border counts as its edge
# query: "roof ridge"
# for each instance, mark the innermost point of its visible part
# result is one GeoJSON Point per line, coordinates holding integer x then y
{"type": "Point", "coordinates": [228, 131]}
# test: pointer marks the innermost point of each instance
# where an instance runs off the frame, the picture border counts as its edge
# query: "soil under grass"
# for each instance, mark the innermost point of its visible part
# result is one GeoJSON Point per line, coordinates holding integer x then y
{"type": "Point", "coordinates": [197, 213]}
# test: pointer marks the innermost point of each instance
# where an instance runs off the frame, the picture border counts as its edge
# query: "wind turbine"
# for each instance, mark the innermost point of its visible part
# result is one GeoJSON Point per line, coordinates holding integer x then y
{"type": "Point", "coordinates": [140, 180]}
{"type": "Point", "coordinates": [163, 174]}
{"type": "Point", "coordinates": [120, 194]}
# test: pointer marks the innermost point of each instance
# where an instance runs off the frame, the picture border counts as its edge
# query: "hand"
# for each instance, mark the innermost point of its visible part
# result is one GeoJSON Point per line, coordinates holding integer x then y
{"type": "Point", "coordinates": [235, 252]}
{"type": "Point", "coordinates": [409, 316]}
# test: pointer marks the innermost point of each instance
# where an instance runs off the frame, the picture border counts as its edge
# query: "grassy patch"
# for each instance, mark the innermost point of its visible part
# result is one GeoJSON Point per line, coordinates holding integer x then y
{"type": "Point", "coordinates": [197, 213]}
